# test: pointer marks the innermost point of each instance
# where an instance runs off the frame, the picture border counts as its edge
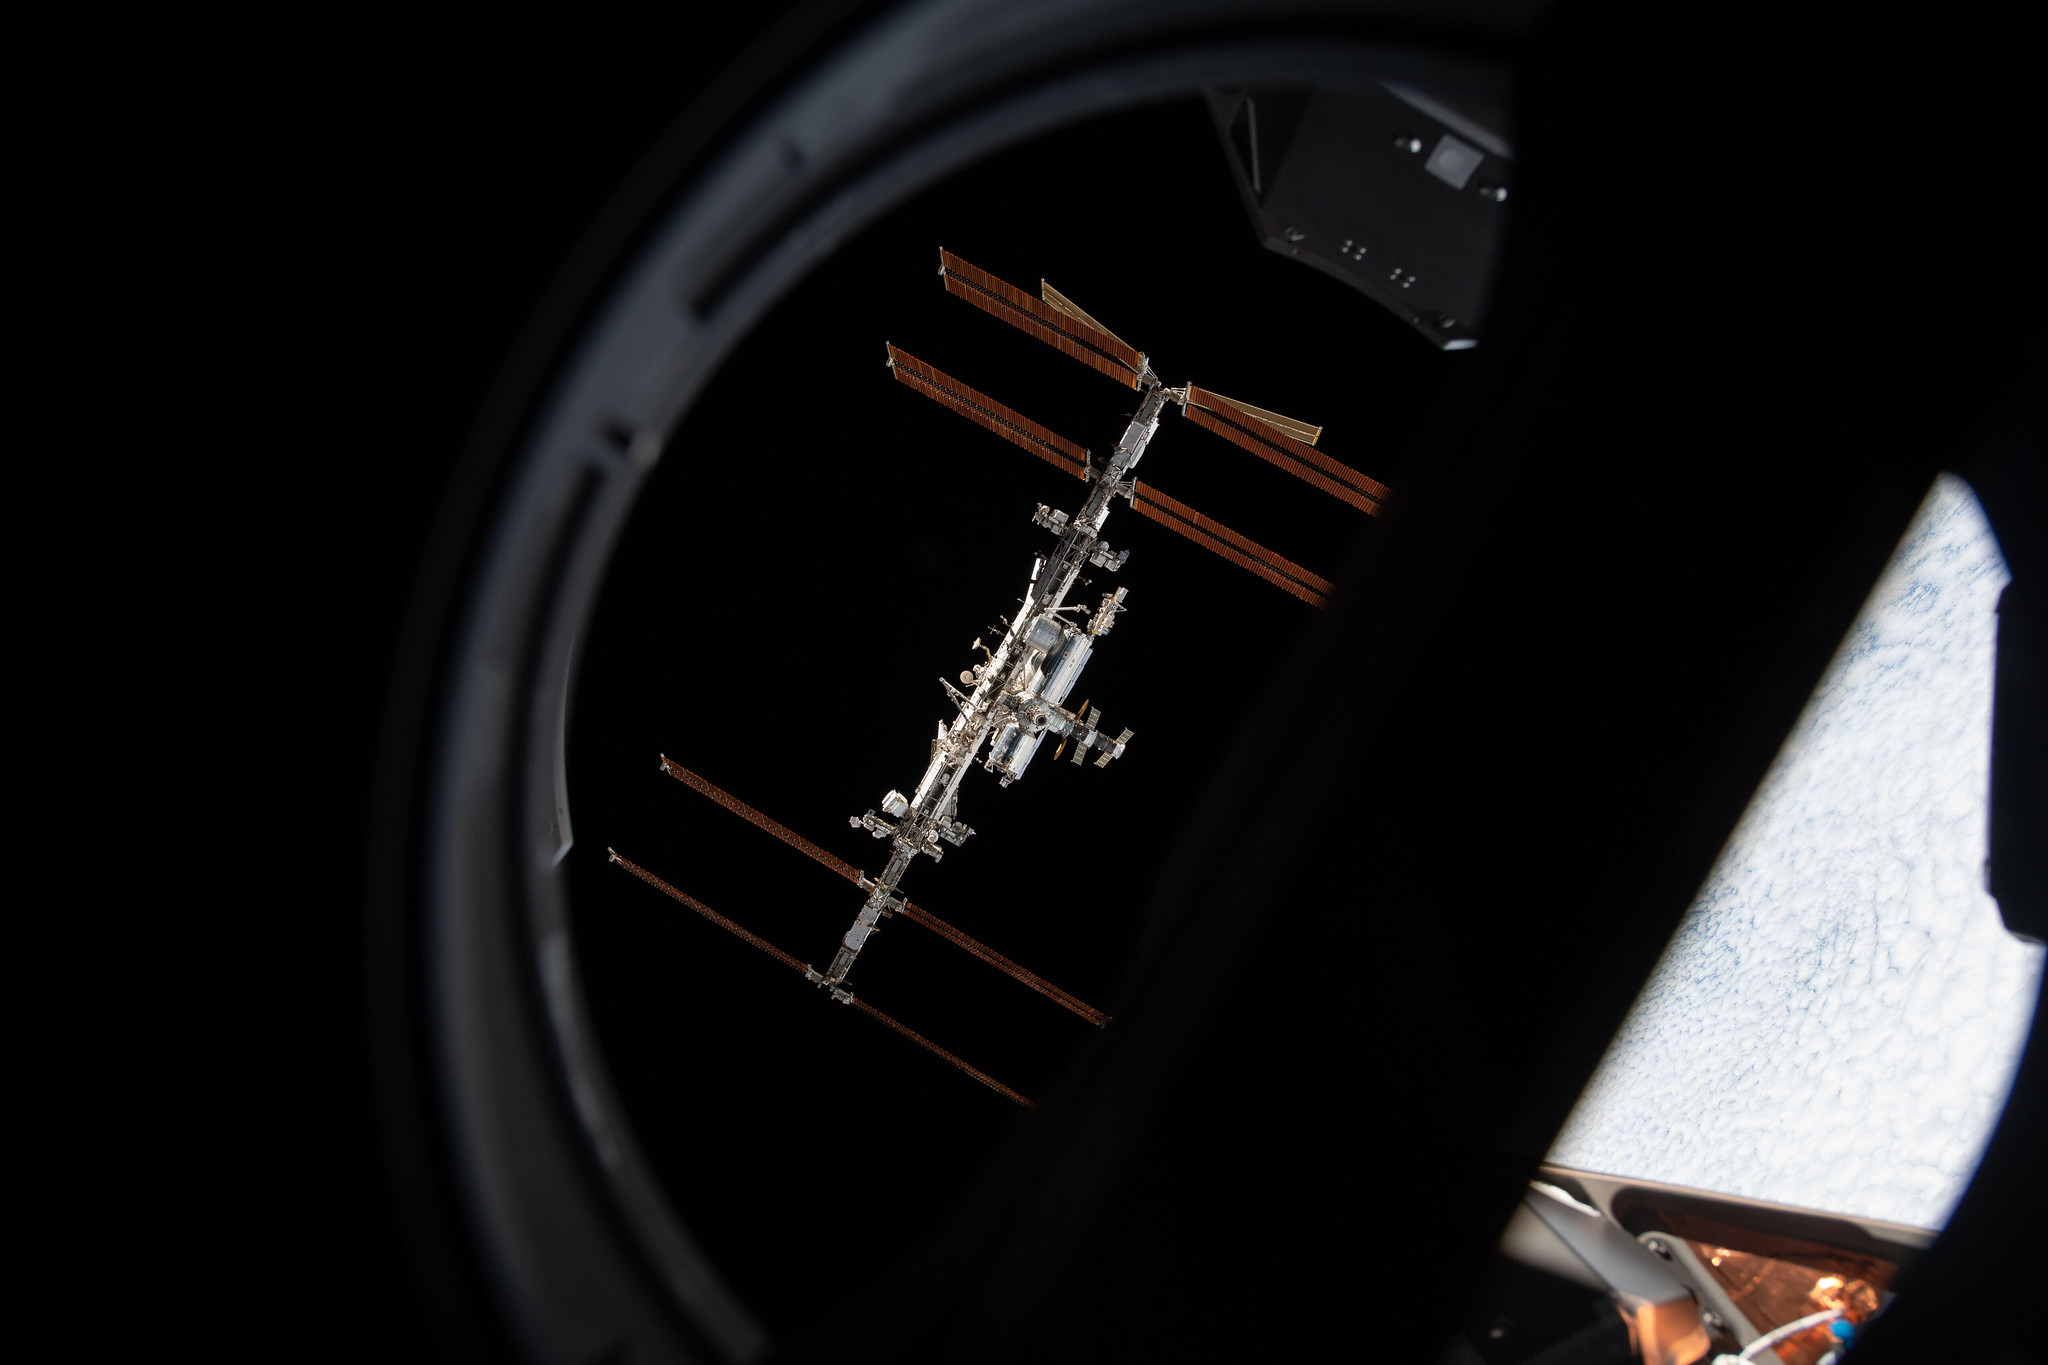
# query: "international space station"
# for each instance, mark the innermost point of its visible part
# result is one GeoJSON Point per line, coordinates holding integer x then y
{"type": "Point", "coordinates": [1015, 698]}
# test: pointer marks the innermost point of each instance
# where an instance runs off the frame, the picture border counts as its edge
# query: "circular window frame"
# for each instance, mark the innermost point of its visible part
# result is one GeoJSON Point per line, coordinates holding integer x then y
{"type": "Point", "coordinates": [493, 1079]}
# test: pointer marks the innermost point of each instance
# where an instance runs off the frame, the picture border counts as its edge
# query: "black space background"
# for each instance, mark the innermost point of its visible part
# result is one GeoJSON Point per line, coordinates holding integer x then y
{"type": "Point", "coordinates": [817, 548]}
{"type": "Point", "coordinates": [396, 212]}
{"type": "Point", "coordinates": [366, 219]}
{"type": "Point", "coordinates": [393, 206]}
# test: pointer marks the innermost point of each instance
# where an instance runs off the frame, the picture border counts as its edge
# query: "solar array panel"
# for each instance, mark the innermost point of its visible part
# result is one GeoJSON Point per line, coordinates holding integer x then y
{"type": "Point", "coordinates": [754, 817]}
{"type": "Point", "coordinates": [1065, 332]}
{"type": "Point", "coordinates": [1300, 431]}
{"type": "Point", "coordinates": [979, 408]}
{"type": "Point", "coordinates": [706, 911]}
{"type": "Point", "coordinates": [786, 960]}
{"type": "Point", "coordinates": [1053, 298]}
{"type": "Point", "coordinates": [1236, 424]}
{"type": "Point", "coordinates": [1246, 554]}
{"type": "Point", "coordinates": [928, 1045]}
{"type": "Point", "coordinates": [916, 914]}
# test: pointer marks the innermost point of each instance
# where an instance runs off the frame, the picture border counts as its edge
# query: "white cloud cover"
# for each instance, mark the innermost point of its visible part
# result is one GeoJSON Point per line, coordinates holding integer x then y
{"type": "Point", "coordinates": [1836, 1022]}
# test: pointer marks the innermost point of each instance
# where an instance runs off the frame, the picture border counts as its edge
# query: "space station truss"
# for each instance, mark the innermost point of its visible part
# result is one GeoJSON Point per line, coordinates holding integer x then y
{"type": "Point", "coordinates": [1017, 691]}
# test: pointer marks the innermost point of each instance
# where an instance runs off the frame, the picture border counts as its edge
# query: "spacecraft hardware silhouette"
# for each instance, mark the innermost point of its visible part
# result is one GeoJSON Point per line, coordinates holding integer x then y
{"type": "Point", "coordinates": [1015, 702]}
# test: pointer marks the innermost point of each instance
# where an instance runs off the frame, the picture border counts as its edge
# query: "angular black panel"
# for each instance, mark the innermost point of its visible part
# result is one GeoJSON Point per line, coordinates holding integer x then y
{"type": "Point", "coordinates": [1388, 189]}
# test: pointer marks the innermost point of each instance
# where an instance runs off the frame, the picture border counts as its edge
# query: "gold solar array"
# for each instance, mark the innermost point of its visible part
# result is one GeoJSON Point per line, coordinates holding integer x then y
{"type": "Point", "coordinates": [979, 408]}
{"type": "Point", "coordinates": [1061, 323]}
{"type": "Point", "coordinates": [754, 817]}
{"type": "Point", "coordinates": [1300, 431]}
{"type": "Point", "coordinates": [1235, 423]}
{"type": "Point", "coordinates": [786, 960]}
{"type": "Point", "coordinates": [1246, 554]}
{"type": "Point", "coordinates": [612, 856]}
{"type": "Point", "coordinates": [916, 914]}
{"type": "Point", "coordinates": [1063, 331]}
{"type": "Point", "coordinates": [991, 1082]}
{"type": "Point", "coordinates": [1054, 299]}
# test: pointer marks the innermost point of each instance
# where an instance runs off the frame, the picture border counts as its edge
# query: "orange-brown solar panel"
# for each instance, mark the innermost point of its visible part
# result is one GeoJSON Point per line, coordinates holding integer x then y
{"type": "Point", "coordinates": [979, 408]}
{"type": "Point", "coordinates": [1246, 554]}
{"type": "Point", "coordinates": [1062, 331]}
{"type": "Point", "coordinates": [1293, 426]}
{"type": "Point", "coordinates": [916, 914]}
{"type": "Point", "coordinates": [786, 960]}
{"type": "Point", "coordinates": [754, 817]}
{"type": "Point", "coordinates": [1269, 443]}
{"type": "Point", "coordinates": [1059, 302]}
{"type": "Point", "coordinates": [1058, 339]}
{"type": "Point", "coordinates": [991, 1082]}
{"type": "Point", "coordinates": [706, 911]}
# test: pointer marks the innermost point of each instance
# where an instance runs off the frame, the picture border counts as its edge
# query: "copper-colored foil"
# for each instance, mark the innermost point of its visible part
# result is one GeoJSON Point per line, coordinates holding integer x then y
{"type": "Point", "coordinates": [1772, 1292]}
{"type": "Point", "coordinates": [1215, 536]}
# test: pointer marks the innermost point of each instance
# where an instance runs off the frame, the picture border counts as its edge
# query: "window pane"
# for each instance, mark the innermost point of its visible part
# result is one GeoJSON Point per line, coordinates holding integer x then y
{"type": "Point", "coordinates": [1836, 1022]}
